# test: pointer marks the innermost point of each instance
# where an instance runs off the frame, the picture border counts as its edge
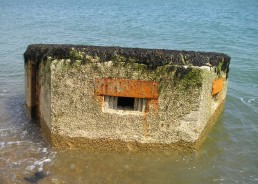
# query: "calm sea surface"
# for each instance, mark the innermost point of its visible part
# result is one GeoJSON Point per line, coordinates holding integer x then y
{"type": "Point", "coordinates": [230, 152]}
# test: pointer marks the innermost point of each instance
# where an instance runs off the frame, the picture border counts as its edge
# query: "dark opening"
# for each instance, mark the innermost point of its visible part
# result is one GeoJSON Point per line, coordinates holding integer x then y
{"type": "Point", "coordinates": [125, 102]}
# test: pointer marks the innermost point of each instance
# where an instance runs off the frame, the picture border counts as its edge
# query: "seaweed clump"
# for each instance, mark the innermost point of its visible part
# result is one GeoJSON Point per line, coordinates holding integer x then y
{"type": "Point", "coordinates": [153, 58]}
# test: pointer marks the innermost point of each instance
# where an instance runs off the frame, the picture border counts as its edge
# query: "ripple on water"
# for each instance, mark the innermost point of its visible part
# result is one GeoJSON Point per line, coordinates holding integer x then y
{"type": "Point", "coordinates": [23, 150]}
{"type": "Point", "coordinates": [250, 101]}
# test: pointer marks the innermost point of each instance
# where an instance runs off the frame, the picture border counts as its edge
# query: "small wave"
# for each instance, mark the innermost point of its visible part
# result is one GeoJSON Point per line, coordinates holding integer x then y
{"type": "Point", "coordinates": [3, 92]}
{"type": "Point", "coordinates": [2, 144]}
{"type": "Point", "coordinates": [218, 179]}
{"type": "Point", "coordinates": [38, 164]}
{"type": "Point", "coordinates": [250, 101]}
{"type": "Point", "coordinates": [14, 142]}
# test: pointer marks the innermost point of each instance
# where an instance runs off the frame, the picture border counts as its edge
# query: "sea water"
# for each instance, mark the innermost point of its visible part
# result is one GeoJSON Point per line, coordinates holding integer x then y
{"type": "Point", "coordinates": [230, 152]}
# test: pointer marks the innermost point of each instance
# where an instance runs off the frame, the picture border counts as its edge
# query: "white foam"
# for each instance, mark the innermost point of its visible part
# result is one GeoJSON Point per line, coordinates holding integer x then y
{"type": "Point", "coordinates": [2, 144]}
{"type": "Point", "coordinates": [30, 168]}
{"type": "Point", "coordinates": [15, 142]}
{"type": "Point", "coordinates": [251, 101]}
{"type": "Point", "coordinates": [38, 164]}
{"type": "Point", "coordinates": [44, 150]}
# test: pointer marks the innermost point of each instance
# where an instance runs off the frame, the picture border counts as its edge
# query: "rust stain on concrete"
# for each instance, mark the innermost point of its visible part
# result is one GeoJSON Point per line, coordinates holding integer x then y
{"type": "Point", "coordinates": [38, 92]}
{"type": "Point", "coordinates": [35, 90]}
{"type": "Point", "coordinates": [126, 88]}
{"type": "Point", "coordinates": [32, 88]}
{"type": "Point", "coordinates": [155, 105]}
{"type": "Point", "coordinates": [217, 86]}
{"type": "Point", "coordinates": [145, 121]}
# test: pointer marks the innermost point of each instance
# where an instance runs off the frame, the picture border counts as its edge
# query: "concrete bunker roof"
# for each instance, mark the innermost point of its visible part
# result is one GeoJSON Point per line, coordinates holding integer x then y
{"type": "Point", "coordinates": [150, 57]}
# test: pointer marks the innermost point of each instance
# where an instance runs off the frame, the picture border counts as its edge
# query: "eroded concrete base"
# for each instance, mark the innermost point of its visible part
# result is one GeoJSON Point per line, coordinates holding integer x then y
{"type": "Point", "coordinates": [103, 144]}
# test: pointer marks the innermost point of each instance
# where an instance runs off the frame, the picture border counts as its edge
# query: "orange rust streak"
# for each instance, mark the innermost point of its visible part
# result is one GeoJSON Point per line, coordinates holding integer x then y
{"type": "Point", "coordinates": [38, 92]}
{"type": "Point", "coordinates": [32, 89]}
{"type": "Point", "coordinates": [155, 105]}
{"type": "Point", "coordinates": [126, 88]}
{"type": "Point", "coordinates": [145, 121]}
{"type": "Point", "coordinates": [217, 86]}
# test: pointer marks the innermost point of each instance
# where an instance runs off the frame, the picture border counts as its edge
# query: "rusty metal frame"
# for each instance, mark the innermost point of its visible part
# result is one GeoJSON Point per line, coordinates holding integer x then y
{"type": "Point", "coordinates": [126, 88]}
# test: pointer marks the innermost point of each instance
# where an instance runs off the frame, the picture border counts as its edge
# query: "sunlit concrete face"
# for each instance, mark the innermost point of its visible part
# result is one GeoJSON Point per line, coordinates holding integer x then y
{"type": "Point", "coordinates": [106, 98]}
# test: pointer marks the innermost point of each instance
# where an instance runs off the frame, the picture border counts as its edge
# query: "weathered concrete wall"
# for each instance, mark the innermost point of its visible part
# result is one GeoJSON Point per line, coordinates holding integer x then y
{"type": "Point", "coordinates": [45, 92]}
{"type": "Point", "coordinates": [28, 84]}
{"type": "Point", "coordinates": [75, 116]}
{"type": "Point", "coordinates": [38, 92]}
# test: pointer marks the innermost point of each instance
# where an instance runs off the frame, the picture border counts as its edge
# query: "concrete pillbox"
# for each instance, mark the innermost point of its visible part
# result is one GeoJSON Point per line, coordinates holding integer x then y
{"type": "Point", "coordinates": [114, 98]}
